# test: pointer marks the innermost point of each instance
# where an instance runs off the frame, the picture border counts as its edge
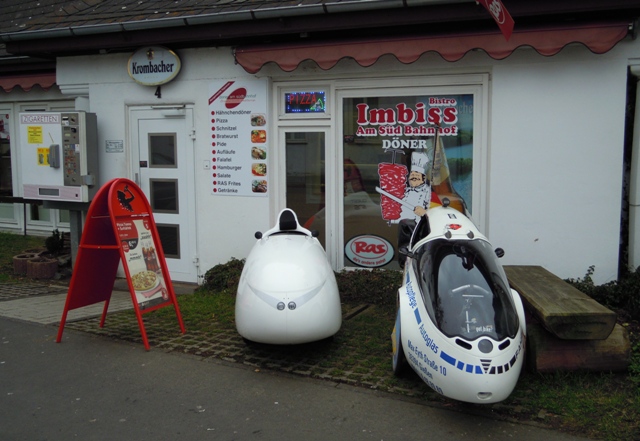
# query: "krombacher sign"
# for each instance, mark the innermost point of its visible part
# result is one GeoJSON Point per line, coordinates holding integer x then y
{"type": "Point", "coordinates": [153, 65]}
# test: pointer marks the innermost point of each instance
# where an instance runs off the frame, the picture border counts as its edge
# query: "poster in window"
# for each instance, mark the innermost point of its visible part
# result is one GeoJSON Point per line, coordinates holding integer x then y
{"type": "Point", "coordinates": [394, 169]}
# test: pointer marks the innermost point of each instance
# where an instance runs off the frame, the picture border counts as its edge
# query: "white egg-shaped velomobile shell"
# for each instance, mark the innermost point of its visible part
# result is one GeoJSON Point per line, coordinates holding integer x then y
{"type": "Point", "coordinates": [287, 292]}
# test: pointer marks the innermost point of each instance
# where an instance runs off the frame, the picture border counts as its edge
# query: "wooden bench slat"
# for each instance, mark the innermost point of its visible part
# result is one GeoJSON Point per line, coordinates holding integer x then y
{"type": "Point", "coordinates": [546, 353]}
{"type": "Point", "coordinates": [561, 308]}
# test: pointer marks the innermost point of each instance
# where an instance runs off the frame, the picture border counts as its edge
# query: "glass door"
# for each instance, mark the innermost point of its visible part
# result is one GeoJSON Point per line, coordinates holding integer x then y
{"type": "Point", "coordinates": [305, 182]}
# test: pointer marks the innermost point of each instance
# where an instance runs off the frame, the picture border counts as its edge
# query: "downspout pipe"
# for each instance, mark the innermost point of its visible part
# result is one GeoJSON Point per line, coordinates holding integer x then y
{"type": "Point", "coordinates": [634, 182]}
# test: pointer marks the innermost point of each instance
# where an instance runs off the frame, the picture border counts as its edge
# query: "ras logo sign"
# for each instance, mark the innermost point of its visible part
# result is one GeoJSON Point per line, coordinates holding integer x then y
{"type": "Point", "coordinates": [369, 251]}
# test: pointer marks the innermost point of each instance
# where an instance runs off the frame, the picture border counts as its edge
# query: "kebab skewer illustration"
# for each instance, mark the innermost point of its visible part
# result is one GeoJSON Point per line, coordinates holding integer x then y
{"type": "Point", "coordinates": [392, 182]}
{"type": "Point", "coordinates": [411, 196]}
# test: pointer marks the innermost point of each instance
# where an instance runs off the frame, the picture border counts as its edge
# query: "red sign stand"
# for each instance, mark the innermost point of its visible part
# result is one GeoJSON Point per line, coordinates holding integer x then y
{"type": "Point", "coordinates": [120, 227]}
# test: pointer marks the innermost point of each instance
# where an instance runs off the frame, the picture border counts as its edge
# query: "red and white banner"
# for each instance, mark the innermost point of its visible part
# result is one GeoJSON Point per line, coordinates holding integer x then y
{"type": "Point", "coordinates": [500, 15]}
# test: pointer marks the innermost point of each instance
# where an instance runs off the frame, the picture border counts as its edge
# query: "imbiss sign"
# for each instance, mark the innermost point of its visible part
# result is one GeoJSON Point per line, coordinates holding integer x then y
{"type": "Point", "coordinates": [153, 65]}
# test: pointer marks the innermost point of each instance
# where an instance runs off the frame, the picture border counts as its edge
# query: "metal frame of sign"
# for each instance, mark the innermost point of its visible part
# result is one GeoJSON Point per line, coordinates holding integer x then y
{"type": "Point", "coordinates": [120, 227]}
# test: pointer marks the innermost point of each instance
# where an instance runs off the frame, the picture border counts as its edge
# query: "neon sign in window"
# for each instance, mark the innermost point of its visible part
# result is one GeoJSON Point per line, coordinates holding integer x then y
{"type": "Point", "coordinates": [304, 102]}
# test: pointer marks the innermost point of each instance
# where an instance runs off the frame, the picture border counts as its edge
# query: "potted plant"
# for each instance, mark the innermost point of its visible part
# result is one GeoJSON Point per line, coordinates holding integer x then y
{"type": "Point", "coordinates": [20, 262]}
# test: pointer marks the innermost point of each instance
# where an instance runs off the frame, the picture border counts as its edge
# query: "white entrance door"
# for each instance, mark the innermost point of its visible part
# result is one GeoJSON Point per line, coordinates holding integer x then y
{"type": "Point", "coordinates": [163, 166]}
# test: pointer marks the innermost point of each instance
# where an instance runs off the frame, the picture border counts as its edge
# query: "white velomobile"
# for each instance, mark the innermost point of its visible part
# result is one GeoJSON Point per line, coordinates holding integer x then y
{"type": "Point", "coordinates": [287, 292]}
{"type": "Point", "coordinates": [459, 325]}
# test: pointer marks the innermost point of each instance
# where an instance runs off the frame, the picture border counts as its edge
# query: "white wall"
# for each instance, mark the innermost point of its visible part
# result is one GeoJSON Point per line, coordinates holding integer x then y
{"type": "Point", "coordinates": [225, 225]}
{"type": "Point", "coordinates": [556, 150]}
{"type": "Point", "coordinates": [555, 141]}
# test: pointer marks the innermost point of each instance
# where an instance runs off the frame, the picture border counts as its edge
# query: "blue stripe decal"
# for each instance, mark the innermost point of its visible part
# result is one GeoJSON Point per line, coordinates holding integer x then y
{"type": "Point", "coordinates": [468, 368]}
{"type": "Point", "coordinates": [448, 358]}
{"type": "Point", "coordinates": [418, 318]}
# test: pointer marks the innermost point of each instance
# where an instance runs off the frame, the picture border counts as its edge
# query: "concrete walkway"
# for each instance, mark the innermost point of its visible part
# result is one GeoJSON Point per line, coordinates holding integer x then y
{"type": "Point", "coordinates": [47, 309]}
{"type": "Point", "coordinates": [44, 304]}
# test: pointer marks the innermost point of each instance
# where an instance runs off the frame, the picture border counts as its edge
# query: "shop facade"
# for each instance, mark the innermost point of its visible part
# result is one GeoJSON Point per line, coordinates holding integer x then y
{"type": "Point", "coordinates": [533, 147]}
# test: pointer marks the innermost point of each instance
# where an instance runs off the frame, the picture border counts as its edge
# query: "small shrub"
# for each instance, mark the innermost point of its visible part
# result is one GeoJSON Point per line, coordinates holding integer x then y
{"type": "Point", "coordinates": [623, 294]}
{"type": "Point", "coordinates": [378, 287]}
{"type": "Point", "coordinates": [224, 275]}
{"type": "Point", "coordinates": [586, 283]}
{"type": "Point", "coordinates": [628, 293]}
{"type": "Point", "coordinates": [54, 243]}
{"type": "Point", "coordinates": [634, 366]}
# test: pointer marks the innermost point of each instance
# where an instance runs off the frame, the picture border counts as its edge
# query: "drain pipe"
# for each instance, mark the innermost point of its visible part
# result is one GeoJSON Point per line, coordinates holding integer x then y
{"type": "Point", "coordinates": [634, 182]}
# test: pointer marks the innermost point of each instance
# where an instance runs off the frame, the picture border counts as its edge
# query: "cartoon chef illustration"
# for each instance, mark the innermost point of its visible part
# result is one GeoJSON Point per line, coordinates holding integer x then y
{"type": "Point", "coordinates": [417, 193]}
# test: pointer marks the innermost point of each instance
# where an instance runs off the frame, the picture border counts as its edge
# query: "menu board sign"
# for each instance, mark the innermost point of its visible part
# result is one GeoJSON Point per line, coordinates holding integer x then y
{"type": "Point", "coordinates": [120, 229]}
{"type": "Point", "coordinates": [141, 259]}
{"type": "Point", "coordinates": [239, 138]}
{"type": "Point", "coordinates": [133, 229]}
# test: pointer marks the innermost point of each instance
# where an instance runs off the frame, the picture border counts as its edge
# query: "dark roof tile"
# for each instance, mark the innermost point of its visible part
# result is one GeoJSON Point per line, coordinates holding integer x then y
{"type": "Point", "coordinates": [30, 15]}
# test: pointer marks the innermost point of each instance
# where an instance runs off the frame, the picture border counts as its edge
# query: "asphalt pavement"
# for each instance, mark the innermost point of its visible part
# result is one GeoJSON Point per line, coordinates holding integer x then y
{"type": "Point", "coordinates": [93, 388]}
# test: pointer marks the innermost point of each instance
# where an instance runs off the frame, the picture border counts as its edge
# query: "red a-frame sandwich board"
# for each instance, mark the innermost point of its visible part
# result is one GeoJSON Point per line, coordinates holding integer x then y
{"type": "Point", "coordinates": [120, 227]}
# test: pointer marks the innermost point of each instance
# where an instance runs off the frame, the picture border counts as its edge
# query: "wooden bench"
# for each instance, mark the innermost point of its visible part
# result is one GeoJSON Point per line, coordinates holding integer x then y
{"type": "Point", "coordinates": [566, 329]}
{"type": "Point", "coordinates": [562, 309]}
{"type": "Point", "coordinates": [547, 353]}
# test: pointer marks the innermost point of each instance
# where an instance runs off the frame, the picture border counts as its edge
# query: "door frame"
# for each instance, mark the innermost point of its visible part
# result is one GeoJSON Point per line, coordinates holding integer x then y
{"type": "Point", "coordinates": [332, 183]}
{"type": "Point", "coordinates": [188, 218]}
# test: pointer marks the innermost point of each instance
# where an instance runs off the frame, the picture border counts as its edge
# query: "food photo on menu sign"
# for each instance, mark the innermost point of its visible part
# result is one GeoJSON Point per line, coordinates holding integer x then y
{"type": "Point", "coordinates": [142, 261]}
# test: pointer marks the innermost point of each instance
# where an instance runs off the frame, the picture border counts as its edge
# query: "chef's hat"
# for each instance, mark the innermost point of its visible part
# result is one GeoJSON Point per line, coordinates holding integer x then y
{"type": "Point", "coordinates": [419, 162]}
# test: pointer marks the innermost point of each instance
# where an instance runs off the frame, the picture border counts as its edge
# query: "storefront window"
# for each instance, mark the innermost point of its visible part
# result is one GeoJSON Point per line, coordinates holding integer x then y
{"type": "Point", "coordinates": [39, 213]}
{"type": "Point", "coordinates": [6, 186]}
{"type": "Point", "coordinates": [64, 216]}
{"type": "Point", "coordinates": [392, 165]}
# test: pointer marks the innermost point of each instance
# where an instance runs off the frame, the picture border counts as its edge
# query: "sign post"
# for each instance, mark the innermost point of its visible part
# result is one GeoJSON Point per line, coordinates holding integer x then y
{"type": "Point", "coordinates": [120, 228]}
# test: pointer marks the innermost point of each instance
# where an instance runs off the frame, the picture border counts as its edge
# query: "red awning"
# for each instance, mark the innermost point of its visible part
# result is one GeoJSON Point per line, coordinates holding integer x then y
{"type": "Point", "coordinates": [27, 81]}
{"type": "Point", "coordinates": [599, 38]}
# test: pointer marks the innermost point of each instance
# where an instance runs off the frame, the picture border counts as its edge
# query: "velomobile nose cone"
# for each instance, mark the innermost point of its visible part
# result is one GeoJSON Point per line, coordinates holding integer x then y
{"type": "Point", "coordinates": [282, 265]}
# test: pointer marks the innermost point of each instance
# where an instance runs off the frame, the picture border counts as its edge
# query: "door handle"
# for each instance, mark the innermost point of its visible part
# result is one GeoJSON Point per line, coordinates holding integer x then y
{"type": "Point", "coordinates": [136, 180]}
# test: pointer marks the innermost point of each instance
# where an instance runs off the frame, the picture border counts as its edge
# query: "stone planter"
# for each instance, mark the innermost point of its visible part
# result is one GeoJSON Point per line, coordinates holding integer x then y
{"type": "Point", "coordinates": [20, 263]}
{"type": "Point", "coordinates": [42, 268]}
{"type": "Point", "coordinates": [37, 251]}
